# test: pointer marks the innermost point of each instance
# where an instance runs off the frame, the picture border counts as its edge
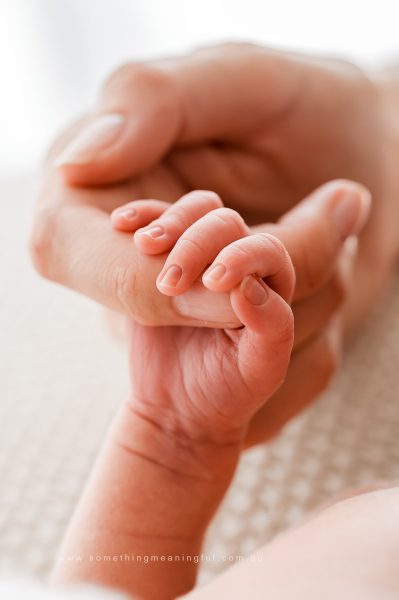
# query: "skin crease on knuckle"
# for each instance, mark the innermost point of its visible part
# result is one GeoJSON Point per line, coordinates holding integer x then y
{"type": "Point", "coordinates": [207, 197]}
{"type": "Point", "coordinates": [276, 243]}
{"type": "Point", "coordinates": [232, 219]}
{"type": "Point", "coordinates": [180, 217]}
{"type": "Point", "coordinates": [285, 324]}
{"type": "Point", "coordinates": [236, 255]}
{"type": "Point", "coordinates": [131, 301]}
{"type": "Point", "coordinates": [135, 75]}
{"type": "Point", "coordinates": [228, 217]}
{"type": "Point", "coordinates": [185, 243]}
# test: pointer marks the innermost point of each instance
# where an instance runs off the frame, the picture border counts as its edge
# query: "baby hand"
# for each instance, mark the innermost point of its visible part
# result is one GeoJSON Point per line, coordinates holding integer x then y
{"type": "Point", "coordinates": [195, 229]}
{"type": "Point", "coordinates": [206, 384]}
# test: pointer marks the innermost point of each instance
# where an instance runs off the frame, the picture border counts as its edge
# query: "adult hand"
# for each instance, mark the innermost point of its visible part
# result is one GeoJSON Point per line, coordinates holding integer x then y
{"type": "Point", "coordinates": [73, 243]}
{"type": "Point", "coordinates": [261, 128]}
{"type": "Point", "coordinates": [321, 221]}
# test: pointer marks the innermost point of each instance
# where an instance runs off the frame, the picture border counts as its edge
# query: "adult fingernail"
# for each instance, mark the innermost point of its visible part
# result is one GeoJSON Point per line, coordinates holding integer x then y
{"type": "Point", "coordinates": [100, 133]}
{"type": "Point", "coordinates": [214, 273]}
{"type": "Point", "coordinates": [170, 278]}
{"type": "Point", "coordinates": [152, 232]}
{"type": "Point", "coordinates": [254, 290]}
{"type": "Point", "coordinates": [350, 212]}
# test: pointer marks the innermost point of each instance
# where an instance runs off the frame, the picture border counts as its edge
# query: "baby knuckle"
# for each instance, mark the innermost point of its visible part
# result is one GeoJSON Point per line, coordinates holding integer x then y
{"type": "Point", "coordinates": [236, 254]}
{"type": "Point", "coordinates": [186, 242]}
{"type": "Point", "coordinates": [286, 324]}
{"type": "Point", "coordinates": [177, 217]}
{"type": "Point", "coordinates": [270, 240]}
{"type": "Point", "coordinates": [231, 218]}
{"type": "Point", "coordinates": [206, 197]}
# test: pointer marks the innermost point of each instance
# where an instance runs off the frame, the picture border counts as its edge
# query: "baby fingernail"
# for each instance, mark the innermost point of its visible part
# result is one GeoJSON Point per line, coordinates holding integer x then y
{"type": "Point", "coordinates": [92, 140]}
{"type": "Point", "coordinates": [215, 273]}
{"type": "Point", "coordinates": [171, 277]}
{"type": "Point", "coordinates": [254, 290]}
{"type": "Point", "coordinates": [128, 214]}
{"type": "Point", "coordinates": [153, 232]}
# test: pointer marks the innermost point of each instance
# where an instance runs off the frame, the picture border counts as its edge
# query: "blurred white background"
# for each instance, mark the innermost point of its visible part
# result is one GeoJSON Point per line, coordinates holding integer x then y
{"type": "Point", "coordinates": [54, 53]}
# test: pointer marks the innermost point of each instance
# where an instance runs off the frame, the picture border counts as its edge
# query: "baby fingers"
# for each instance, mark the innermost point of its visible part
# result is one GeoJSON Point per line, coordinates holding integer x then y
{"type": "Point", "coordinates": [260, 254]}
{"type": "Point", "coordinates": [161, 235]}
{"type": "Point", "coordinates": [197, 248]}
{"type": "Point", "coordinates": [136, 214]}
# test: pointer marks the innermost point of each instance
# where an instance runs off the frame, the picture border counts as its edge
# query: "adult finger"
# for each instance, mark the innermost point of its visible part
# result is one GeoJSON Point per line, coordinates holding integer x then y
{"type": "Point", "coordinates": [309, 373]}
{"type": "Point", "coordinates": [315, 230]}
{"type": "Point", "coordinates": [146, 109]}
{"type": "Point", "coordinates": [313, 314]}
{"type": "Point", "coordinates": [73, 244]}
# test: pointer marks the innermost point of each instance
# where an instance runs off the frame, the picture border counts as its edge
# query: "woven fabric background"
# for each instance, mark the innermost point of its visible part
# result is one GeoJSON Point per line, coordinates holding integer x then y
{"type": "Point", "coordinates": [62, 377]}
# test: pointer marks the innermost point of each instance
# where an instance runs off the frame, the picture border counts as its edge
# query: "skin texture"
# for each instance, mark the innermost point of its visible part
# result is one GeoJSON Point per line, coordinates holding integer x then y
{"type": "Point", "coordinates": [84, 253]}
{"type": "Point", "coordinates": [172, 451]}
{"type": "Point", "coordinates": [359, 560]}
{"type": "Point", "coordinates": [260, 128]}
{"type": "Point", "coordinates": [173, 448]}
{"type": "Point", "coordinates": [201, 239]}
{"type": "Point", "coordinates": [240, 120]}
{"type": "Point", "coordinates": [349, 551]}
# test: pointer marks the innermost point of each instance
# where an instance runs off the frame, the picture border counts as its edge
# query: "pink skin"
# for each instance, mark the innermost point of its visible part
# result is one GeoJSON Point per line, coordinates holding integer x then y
{"type": "Point", "coordinates": [178, 439]}
{"type": "Point", "coordinates": [196, 229]}
{"type": "Point", "coordinates": [220, 237]}
{"type": "Point", "coordinates": [213, 381]}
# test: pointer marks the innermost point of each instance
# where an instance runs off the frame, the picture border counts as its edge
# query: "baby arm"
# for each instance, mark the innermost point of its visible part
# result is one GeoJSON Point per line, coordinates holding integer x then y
{"type": "Point", "coordinates": [173, 447]}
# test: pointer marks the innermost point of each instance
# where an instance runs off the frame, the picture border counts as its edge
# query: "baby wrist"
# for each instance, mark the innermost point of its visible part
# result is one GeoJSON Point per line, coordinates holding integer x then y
{"type": "Point", "coordinates": [172, 450]}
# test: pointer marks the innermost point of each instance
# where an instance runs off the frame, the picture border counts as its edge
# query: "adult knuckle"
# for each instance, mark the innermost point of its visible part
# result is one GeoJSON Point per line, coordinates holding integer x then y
{"type": "Point", "coordinates": [124, 281]}
{"type": "Point", "coordinates": [135, 76]}
{"type": "Point", "coordinates": [229, 47]}
{"type": "Point", "coordinates": [41, 242]}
